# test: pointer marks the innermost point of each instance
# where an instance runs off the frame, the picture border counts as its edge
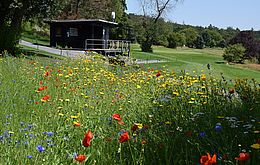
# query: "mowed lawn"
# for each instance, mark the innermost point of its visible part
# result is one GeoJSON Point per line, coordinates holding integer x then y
{"type": "Point", "coordinates": [194, 61]}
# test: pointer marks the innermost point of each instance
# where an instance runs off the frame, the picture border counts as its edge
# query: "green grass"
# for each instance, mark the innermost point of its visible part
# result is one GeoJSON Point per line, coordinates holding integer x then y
{"type": "Point", "coordinates": [195, 60]}
{"type": "Point", "coordinates": [28, 51]}
{"type": "Point", "coordinates": [35, 38]}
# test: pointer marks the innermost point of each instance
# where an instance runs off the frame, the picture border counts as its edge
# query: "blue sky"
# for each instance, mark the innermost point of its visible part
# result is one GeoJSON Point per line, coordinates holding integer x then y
{"type": "Point", "coordinates": [244, 14]}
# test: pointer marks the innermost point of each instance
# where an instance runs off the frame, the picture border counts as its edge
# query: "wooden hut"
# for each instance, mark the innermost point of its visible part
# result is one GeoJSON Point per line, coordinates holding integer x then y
{"type": "Point", "coordinates": [87, 34]}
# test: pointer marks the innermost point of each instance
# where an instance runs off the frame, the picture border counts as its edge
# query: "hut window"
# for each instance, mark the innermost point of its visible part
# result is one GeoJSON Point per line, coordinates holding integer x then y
{"type": "Point", "coordinates": [73, 32]}
{"type": "Point", "coordinates": [58, 32]}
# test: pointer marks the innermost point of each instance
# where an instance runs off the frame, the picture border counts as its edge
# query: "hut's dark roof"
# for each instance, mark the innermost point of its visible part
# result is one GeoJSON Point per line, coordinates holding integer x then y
{"type": "Point", "coordinates": [100, 21]}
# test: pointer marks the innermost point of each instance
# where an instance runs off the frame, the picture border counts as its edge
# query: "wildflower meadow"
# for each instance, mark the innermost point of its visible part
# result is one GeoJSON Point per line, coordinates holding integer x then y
{"type": "Point", "coordinates": [87, 111]}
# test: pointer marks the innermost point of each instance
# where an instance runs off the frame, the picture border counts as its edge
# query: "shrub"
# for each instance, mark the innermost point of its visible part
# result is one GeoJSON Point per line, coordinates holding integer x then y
{"type": "Point", "coordinates": [234, 53]}
{"type": "Point", "coordinates": [172, 43]}
{"type": "Point", "coordinates": [199, 42]}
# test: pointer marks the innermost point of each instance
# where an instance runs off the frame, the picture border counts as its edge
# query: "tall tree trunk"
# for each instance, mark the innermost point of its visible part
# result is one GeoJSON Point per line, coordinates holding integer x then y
{"type": "Point", "coordinates": [10, 33]}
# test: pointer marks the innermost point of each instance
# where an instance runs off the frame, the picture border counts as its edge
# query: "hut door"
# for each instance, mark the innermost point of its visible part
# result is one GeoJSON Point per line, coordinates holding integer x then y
{"type": "Point", "coordinates": [105, 37]}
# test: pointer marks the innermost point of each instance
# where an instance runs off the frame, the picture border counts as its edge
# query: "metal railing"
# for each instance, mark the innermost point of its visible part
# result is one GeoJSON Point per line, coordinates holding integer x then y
{"type": "Point", "coordinates": [97, 44]}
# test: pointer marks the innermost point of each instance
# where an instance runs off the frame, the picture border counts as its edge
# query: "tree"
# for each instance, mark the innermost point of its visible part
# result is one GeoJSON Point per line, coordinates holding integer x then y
{"type": "Point", "coordinates": [247, 39]}
{"type": "Point", "coordinates": [199, 42]}
{"type": "Point", "coordinates": [234, 53]}
{"type": "Point", "coordinates": [93, 9]}
{"type": "Point", "coordinates": [153, 10]}
{"type": "Point", "coordinates": [222, 43]}
{"type": "Point", "coordinates": [172, 40]}
{"type": "Point", "coordinates": [13, 12]}
{"type": "Point", "coordinates": [206, 37]}
{"type": "Point", "coordinates": [190, 35]}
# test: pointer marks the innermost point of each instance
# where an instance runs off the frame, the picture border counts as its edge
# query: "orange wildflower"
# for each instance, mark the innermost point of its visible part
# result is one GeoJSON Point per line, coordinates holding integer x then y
{"type": "Point", "coordinates": [208, 160]}
{"type": "Point", "coordinates": [116, 117]}
{"type": "Point", "coordinates": [124, 137]}
{"type": "Point", "coordinates": [80, 158]}
{"type": "Point", "coordinates": [232, 90]}
{"type": "Point", "coordinates": [87, 138]}
{"type": "Point", "coordinates": [46, 74]}
{"type": "Point", "coordinates": [243, 156]}
{"type": "Point", "coordinates": [158, 74]}
{"type": "Point", "coordinates": [45, 98]}
{"type": "Point", "coordinates": [42, 88]}
{"type": "Point", "coordinates": [77, 124]}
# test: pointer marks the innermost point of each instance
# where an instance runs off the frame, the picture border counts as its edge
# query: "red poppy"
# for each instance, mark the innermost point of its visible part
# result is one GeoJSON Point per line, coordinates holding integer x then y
{"type": "Point", "coordinates": [47, 67]}
{"type": "Point", "coordinates": [40, 82]}
{"type": "Point", "coordinates": [42, 88]}
{"type": "Point", "coordinates": [189, 133]}
{"type": "Point", "coordinates": [143, 142]}
{"type": "Point", "coordinates": [116, 117]}
{"type": "Point", "coordinates": [45, 98]}
{"type": "Point", "coordinates": [158, 74]}
{"type": "Point", "coordinates": [36, 102]}
{"type": "Point", "coordinates": [232, 90]}
{"type": "Point", "coordinates": [87, 138]}
{"type": "Point", "coordinates": [124, 137]}
{"type": "Point", "coordinates": [243, 156]}
{"type": "Point", "coordinates": [80, 158]}
{"type": "Point", "coordinates": [134, 128]}
{"type": "Point", "coordinates": [208, 160]}
{"type": "Point", "coordinates": [46, 74]}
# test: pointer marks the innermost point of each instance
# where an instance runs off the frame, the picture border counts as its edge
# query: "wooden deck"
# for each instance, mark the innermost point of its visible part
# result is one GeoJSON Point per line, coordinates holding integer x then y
{"type": "Point", "coordinates": [108, 47]}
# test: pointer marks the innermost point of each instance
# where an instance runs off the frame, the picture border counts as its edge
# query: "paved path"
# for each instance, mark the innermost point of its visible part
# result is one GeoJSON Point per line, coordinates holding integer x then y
{"type": "Point", "coordinates": [73, 53]}
{"type": "Point", "coordinates": [62, 52]}
{"type": "Point", "coordinates": [148, 61]}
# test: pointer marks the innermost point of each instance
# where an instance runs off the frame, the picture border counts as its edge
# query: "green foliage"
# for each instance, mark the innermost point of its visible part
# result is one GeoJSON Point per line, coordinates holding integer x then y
{"type": "Point", "coordinates": [12, 13]}
{"type": "Point", "coordinates": [234, 53]}
{"type": "Point", "coordinates": [206, 37]}
{"type": "Point", "coordinates": [212, 43]}
{"type": "Point", "coordinates": [222, 43]}
{"type": "Point", "coordinates": [199, 42]}
{"type": "Point", "coordinates": [176, 39]}
{"type": "Point", "coordinates": [190, 35]}
{"type": "Point", "coordinates": [146, 46]}
{"type": "Point", "coordinates": [172, 40]}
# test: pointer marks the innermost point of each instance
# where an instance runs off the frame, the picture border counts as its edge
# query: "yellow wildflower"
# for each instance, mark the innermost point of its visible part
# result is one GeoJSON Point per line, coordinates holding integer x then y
{"type": "Point", "coordinates": [255, 146]}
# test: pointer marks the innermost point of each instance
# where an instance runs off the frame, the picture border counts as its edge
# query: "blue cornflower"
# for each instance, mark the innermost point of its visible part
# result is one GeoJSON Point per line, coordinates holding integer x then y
{"type": "Point", "coordinates": [30, 126]}
{"type": "Point", "coordinates": [40, 148]}
{"type": "Point", "coordinates": [202, 134]}
{"type": "Point", "coordinates": [31, 135]}
{"type": "Point", "coordinates": [29, 157]}
{"type": "Point", "coordinates": [218, 127]}
{"type": "Point", "coordinates": [49, 133]}
{"type": "Point", "coordinates": [1, 137]}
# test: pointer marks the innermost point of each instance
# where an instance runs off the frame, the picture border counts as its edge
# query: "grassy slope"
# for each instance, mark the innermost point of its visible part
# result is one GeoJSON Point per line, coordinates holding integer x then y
{"type": "Point", "coordinates": [28, 51]}
{"type": "Point", "coordinates": [195, 60]}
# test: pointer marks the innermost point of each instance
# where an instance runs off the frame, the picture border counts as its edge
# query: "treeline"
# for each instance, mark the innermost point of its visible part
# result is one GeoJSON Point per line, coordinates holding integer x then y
{"type": "Point", "coordinates": [172, 34]}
